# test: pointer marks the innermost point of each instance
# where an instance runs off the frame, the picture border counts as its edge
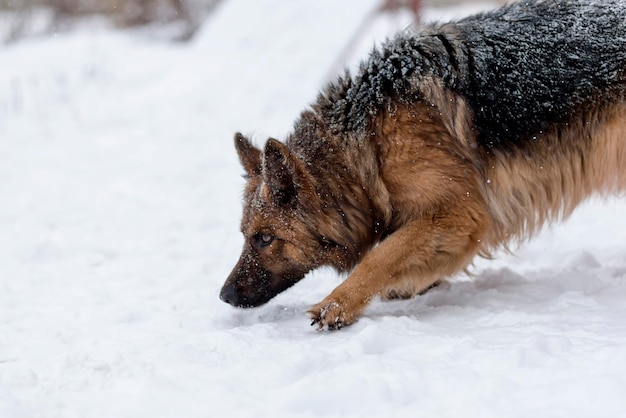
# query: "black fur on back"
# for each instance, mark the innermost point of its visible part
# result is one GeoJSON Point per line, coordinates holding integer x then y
{"type": "Point", "coordinates": [520, 68]}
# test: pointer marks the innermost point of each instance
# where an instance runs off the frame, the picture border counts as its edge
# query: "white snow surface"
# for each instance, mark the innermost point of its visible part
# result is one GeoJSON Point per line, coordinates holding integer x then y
{"type": "Point", "coordinates": [119, 221]}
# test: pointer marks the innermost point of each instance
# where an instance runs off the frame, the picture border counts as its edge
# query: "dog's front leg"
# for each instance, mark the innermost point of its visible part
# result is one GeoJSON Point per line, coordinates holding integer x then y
{"type": "Point", "coordinates": [424, 250]}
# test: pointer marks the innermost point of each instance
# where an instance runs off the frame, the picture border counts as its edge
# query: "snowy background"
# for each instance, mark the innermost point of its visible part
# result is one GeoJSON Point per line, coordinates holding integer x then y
{"type": "Point", "coordinates": [120, 198]}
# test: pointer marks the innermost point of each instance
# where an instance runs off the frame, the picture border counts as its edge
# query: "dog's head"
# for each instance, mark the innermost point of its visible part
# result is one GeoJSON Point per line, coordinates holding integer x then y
{"type": "Point", "coordinates": [281, 242]}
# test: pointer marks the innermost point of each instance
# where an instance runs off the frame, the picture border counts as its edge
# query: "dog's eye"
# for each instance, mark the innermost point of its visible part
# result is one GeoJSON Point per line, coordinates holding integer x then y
{"type": "Point", "coordinates": [263, 240]}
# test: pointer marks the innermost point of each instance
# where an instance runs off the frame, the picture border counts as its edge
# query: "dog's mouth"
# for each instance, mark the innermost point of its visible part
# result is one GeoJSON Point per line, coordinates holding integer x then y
{"type": "Point", "coordinates": [241, 299]}
{"type": "Point", "coordinates": [242, 292]}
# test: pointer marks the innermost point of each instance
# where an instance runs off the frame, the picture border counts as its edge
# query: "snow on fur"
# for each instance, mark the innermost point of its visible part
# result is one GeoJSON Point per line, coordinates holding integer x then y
{"type": "Point", "coordinates": [119, 222]}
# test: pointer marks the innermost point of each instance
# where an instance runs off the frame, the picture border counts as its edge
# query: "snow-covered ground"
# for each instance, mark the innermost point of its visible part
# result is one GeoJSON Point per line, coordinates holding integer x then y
{"type": "Point", "coordinates": [119, 208]}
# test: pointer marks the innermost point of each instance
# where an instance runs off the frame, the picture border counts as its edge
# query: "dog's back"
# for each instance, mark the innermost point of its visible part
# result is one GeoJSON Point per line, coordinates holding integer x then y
{"type": "Point", "coordinates": [559, 58]}
{"type": "Point", "coordinates": [520, 68]}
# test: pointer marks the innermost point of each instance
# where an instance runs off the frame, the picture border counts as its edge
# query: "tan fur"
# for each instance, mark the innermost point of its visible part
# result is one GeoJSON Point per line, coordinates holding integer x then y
{"type": "Point", "coordinates": [526, 189]}
{"type": "Point", "coordinates": [439, 214]}
{"type": "Point", "coordinates": [452, 201]}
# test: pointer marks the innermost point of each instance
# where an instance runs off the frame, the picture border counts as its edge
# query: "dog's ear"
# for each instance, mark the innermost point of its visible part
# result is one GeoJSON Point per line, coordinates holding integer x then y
{"type": "Point", "coordinates": [283, 172]}
{"type": "Point", "coordinates": [249, 155]}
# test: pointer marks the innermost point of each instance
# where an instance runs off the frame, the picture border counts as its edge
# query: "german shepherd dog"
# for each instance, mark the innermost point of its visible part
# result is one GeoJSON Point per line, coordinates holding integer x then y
{"type": "Point", "coordinates": [449, 142]}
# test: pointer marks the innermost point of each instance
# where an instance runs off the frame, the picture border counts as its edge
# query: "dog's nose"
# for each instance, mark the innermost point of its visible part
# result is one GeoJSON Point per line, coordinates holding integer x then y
{"type": "Point", "coordinates": [229, 295]}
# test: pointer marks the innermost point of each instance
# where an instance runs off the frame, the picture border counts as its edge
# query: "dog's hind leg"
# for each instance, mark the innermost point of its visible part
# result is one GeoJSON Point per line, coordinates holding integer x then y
{"type": "Point", "coordinates": [405, 289]}
{"type": "Point", "coordinates": [425, 249]}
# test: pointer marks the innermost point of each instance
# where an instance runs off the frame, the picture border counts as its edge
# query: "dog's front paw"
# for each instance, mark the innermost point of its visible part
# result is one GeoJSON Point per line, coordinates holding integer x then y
{"type": "Point", "coordinates": [329, 314]}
